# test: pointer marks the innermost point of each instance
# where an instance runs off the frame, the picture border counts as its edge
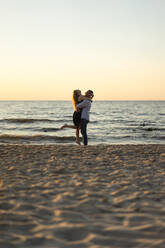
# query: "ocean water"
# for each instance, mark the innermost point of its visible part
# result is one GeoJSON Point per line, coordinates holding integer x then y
{"type": "Point", "coordinates": [111, 122]}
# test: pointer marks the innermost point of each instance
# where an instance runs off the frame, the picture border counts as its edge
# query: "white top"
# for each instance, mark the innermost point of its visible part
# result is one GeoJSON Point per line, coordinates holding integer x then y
{"type": "Point", "coordinates": [85, 105]}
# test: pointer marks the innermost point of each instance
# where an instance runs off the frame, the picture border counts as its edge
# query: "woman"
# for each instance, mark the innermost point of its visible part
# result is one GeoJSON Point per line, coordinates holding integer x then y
{"type": "Point", "coordinates": [77, 97]}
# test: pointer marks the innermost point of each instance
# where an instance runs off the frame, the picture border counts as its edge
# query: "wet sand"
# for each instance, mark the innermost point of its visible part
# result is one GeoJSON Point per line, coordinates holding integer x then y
{"type": "Point", "coordinates": [70, 196]}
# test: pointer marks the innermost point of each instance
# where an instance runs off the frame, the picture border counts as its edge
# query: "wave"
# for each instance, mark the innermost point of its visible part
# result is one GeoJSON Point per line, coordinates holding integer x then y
{"type": "Point", "coordinates": [93, 122]}
{"type": "Point", "coordinates": [32, 120]}
{"type": "Point", "coordinates": [150, 129]}
{"type": "Point", "coordinates": [112, 137]}
{"type": "Point", "coordinates": [159, 137]}
{"type": "Point", "coordinates": [49, 129]}
{"type": "Point", "coordinates": [25, 120]}
{"type": "Point", "coordinates": [35, 138]}
{"type": "Point", "coordinates": [39, 129]}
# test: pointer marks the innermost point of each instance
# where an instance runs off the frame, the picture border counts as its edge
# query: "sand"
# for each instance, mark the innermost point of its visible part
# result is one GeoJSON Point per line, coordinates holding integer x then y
{"type": "Point", "coordinates": [71, 196]}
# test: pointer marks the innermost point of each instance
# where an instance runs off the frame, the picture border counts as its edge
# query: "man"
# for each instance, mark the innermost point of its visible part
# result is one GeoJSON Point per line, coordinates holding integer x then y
{"type": "Point", "coordinates": [85, 105]}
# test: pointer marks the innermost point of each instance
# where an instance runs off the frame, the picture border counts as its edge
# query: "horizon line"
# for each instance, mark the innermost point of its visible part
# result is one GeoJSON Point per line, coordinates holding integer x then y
{"type": "Point", "coordinates": [41, 100]}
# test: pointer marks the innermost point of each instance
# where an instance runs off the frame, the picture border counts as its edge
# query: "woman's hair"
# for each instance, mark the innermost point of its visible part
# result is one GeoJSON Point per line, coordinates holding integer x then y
{"type": "Point", "coordinates": [75, 97]}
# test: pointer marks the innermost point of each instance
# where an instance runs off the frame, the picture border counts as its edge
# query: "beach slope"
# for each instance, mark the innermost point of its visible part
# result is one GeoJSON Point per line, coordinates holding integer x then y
{"type": "Point", "coordinates": [71, 196]}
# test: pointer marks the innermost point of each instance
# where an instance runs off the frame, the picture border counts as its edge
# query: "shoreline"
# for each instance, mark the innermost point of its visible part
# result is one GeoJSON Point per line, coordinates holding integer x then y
{"type": "Point", "coordinates": [75, 196]}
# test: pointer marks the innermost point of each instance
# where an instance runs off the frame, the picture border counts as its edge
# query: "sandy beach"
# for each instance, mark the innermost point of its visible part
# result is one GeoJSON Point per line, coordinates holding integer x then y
{"type": "Point", "coordinates": [71, 196]}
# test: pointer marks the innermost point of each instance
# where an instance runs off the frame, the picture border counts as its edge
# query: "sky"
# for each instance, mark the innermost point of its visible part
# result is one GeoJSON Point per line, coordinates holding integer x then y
{"type": "Point", "coordinates": [48, 48]}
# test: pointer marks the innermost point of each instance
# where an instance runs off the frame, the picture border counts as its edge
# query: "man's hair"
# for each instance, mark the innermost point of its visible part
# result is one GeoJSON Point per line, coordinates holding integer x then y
{"type": "Point", "coordinates": [89, 92]}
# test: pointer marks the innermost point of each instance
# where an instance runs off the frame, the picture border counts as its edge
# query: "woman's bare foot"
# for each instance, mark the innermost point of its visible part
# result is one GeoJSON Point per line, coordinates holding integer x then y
{"type": "Point", "coordinates": [65, 125]}
{"type": "Point", "coordinates": [78, 142]}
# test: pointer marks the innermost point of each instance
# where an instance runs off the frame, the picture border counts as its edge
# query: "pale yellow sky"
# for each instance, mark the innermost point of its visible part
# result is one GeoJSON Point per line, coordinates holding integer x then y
{"type": "Point", "coordinates": [49, 48]}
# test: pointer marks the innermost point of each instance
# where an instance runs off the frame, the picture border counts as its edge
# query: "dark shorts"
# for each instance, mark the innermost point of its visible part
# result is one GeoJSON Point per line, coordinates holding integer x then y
{"type": "Point", "coordinates": [77, 118]}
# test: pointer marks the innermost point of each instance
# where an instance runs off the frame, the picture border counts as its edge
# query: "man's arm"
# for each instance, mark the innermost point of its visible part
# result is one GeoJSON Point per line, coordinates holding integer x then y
{"type": "Point", "coordinates": [82, 104]}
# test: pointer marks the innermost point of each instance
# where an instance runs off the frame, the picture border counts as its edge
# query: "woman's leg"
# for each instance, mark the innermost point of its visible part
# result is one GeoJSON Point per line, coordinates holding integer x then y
{"type": "Point", "coordinates": [77, 136]}
{"type": "Point", "coordinates": [77, 132]}
{"type": "Point", "coordinates": [67, 126]}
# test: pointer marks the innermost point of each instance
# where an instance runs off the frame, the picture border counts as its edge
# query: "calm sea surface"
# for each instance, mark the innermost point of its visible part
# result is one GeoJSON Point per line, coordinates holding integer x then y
{"type": "Point", "coordinates": [111, 122]}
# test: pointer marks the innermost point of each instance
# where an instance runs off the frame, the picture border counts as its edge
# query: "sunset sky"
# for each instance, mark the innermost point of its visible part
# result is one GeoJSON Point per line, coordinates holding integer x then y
{"type": "Point", "coordinates": [114, 47]}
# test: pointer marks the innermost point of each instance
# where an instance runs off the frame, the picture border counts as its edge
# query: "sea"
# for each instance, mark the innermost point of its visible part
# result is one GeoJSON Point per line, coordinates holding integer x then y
{"type": "Point", "coordinates": [111, 122]}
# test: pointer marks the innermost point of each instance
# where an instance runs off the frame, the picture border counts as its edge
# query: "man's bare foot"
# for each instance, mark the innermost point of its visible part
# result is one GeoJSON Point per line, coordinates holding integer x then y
{"type": "Point", "coordinates": [65, 125]}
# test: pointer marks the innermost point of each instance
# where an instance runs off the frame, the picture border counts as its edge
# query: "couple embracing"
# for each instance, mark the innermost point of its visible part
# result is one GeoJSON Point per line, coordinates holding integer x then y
{"type": "Point", "coordinates": [81, 105]}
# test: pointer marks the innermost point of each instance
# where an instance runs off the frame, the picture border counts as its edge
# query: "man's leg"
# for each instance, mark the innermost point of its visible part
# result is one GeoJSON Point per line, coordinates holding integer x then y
{"type": "Point", "coordinates": [84, 123]}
